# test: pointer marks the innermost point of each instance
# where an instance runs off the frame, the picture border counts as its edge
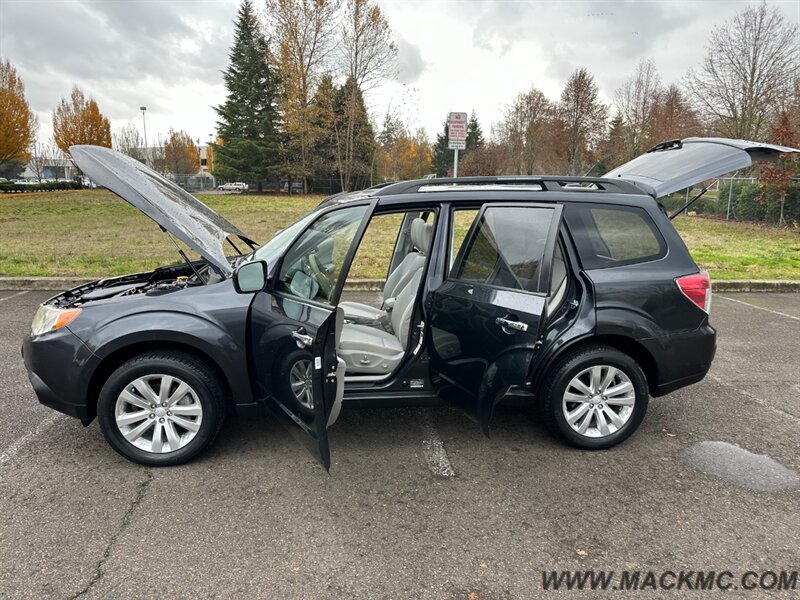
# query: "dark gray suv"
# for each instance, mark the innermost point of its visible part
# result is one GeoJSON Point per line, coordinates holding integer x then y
{"type": "Point", "coordinates": [576, 294]}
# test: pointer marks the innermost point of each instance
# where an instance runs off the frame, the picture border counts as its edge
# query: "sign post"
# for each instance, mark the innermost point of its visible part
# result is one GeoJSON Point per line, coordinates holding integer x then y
{"type": "Point", "coordinates": [456, 136]}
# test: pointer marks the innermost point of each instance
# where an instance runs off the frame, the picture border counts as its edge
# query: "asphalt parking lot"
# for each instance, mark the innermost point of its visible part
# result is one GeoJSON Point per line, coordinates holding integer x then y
{"type": "Point", "coordinates": [258, 517]}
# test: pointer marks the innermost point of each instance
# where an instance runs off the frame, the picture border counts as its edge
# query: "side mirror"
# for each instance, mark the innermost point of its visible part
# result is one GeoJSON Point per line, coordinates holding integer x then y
{"type": "Point", "coordinates": [250, 277]}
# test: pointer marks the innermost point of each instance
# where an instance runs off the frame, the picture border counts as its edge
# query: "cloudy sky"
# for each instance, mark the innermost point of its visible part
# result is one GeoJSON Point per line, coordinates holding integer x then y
{"type": "Point", "coordinates": [453, 55]}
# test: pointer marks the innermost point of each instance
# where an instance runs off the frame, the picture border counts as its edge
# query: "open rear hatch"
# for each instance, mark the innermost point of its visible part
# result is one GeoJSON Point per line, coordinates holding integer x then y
{"type": "Point", "coordinates": [679, 164]}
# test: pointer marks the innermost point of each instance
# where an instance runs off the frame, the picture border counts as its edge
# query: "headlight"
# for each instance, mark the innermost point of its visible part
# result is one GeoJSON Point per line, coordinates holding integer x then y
{"type": "Point", "coordinates": [48, 318]}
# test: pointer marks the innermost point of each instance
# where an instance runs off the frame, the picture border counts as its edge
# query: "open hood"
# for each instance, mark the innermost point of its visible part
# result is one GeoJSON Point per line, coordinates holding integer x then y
{"type": "Point", "coordinates": [172, 207]}
{"type": "Point", "coordinates": [676, 165]}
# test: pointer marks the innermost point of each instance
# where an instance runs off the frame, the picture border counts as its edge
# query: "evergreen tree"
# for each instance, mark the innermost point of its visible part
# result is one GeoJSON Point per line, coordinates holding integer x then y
{"type": "Point", "coordinates": [442, 155]}
{"type": "Point", "coordinates": [249, 122]}
{"type": "Point", "coordinates": [474, 133]}
{"type": "Point", "coordinates": [323, 123]}
{"type": "Point", "coordinates": [355, 138]}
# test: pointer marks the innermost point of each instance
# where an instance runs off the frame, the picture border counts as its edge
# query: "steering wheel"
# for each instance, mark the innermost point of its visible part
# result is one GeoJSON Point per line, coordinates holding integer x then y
{"type": "Point", "coordinates": [325, 283]}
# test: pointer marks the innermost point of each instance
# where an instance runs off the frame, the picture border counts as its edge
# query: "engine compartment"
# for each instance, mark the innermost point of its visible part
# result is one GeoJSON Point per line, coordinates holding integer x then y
{"type": "Point", "coordinates": [160, 281]}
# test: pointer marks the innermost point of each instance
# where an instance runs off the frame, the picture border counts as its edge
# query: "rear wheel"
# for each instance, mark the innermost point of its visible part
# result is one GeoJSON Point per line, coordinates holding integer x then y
{"type": "Point", "coordinates": [294, 378]}
{"type": "Point", "coordinates": [161, 408]}
{"type": "Point", "coordinates": [595, 397]}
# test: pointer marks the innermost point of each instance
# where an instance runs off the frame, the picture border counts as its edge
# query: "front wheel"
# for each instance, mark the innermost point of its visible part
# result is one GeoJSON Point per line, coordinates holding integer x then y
{"type": "Point", "coordinates": [161, 408]}
{"type": "Point", "coordinates": [595, 397]}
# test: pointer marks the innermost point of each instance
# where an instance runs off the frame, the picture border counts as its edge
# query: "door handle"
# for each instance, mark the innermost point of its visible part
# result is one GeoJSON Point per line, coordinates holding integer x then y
{"type": "Point", "coordinates": [302, 338]}
{"type": "Point", "coordinates": [512, 325]}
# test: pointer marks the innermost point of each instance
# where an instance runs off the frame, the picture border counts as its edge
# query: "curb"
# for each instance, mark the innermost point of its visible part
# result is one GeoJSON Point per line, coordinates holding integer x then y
{"type": "Point", "coordinates": [16, 284]}
{"type": "Point", "coordinates": [745, 285]}
{"type": "Point", "coordinates": [376, 285]}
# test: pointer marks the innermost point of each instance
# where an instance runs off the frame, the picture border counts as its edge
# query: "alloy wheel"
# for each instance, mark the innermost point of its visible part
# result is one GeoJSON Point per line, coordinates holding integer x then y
{"type": "Point", "coordinates": [158, 413]}
{"type": "Point", "coordinates": [302, 383]}
{"type": "Point", "coordinates": [599, 401]}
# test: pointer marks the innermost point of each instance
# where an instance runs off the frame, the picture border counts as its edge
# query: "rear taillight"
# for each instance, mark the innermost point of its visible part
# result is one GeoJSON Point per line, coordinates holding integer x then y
{"type": "Point", "coordinates": [697, 288]}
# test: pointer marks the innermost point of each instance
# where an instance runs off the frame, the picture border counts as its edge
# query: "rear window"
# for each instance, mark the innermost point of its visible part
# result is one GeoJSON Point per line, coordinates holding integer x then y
{"type": "Point", "coordinates": [610, 236]}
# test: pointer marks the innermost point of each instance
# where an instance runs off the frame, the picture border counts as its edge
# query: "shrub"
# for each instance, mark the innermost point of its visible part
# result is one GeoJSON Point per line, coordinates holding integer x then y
{"type": "Point", "coordinates": [47, 186]}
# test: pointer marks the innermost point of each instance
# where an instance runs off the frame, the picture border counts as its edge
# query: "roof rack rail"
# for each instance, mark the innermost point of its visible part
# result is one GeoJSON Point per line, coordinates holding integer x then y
{"type": "Point", "coordinates": [549, 183]}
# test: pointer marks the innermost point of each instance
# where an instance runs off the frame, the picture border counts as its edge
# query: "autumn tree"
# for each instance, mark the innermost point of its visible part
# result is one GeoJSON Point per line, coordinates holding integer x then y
{"type": "Point", "coordinates": [778, 177]}
{"type": "Point", "coordinates": [366, 47]}
{"type": "Point", "coordinates": [79, 121]}
{"type": "Point", "coordinates": [673, 117]}
{"type": "Point", "coordinates": [582, 117]}
{"type": "Point", "coordinates": [636, 100]}
{"type": "Point", "coordinates": [747, 74]}
{"type": "Point", "coordinates": [249, 120]}
{"type": "Point", "coordinates": [487, 159]}
{"type": "Point", "coordinates": [401, 155]}
{"type": "Point", "coordinates": [17, 122]}
{"type": "Point", "coordinates": [522, 130]}
{"type": "Point", "coordinates": [181, 156]}
{"type": "Point", "coordinates": [304, 34]}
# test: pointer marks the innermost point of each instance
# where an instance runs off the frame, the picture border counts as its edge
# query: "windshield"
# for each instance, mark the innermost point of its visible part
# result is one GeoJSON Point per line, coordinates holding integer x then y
{"type": "Point", "coordinates": [273, 249]}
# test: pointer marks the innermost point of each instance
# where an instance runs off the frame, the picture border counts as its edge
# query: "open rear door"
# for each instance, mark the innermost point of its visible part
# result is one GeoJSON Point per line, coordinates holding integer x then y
{"type": "Point", "coordinates": [487, 316]}
{"type": "Point", "coordinates": [679, 164]}
{"type": "Point", "coordinates": [310, 427]}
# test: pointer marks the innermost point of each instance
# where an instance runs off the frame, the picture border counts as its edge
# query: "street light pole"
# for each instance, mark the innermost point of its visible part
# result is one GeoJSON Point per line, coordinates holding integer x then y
{"type": "Point", "coordinates": [144, 126]}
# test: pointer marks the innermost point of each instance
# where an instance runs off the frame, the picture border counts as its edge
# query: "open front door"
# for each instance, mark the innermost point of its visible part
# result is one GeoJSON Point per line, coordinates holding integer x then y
{"type": "Point", "coordinates": [308, 416]}
{"type": "Point", "coordinates": [486, 318]}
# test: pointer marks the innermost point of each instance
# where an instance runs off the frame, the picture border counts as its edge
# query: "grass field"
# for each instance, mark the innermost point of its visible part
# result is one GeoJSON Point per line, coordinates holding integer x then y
{"type": "Point", "coordinates": [93, 233]}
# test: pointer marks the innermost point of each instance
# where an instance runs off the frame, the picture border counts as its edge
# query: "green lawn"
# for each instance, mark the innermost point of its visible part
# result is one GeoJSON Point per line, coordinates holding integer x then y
{"type": "Point", "coordinates": [93, 233]}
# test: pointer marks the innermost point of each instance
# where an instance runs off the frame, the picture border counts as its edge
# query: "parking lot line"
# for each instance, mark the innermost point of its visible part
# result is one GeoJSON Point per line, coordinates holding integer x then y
{"type": "Point", "coordinates": [14, 448]}
{"type": "Point", "coordinates": [775, 312]}
{"type": "Point", "coordinates": [433, 449]}
{"type": "Point", "coordinates": [14, 295]}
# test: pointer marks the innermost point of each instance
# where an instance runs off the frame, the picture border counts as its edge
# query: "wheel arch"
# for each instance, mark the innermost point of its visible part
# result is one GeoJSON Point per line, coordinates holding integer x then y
{"type": "Point", "coordinates": [120, 355]}
{"type": "Point", "coordinates": [624, 344]}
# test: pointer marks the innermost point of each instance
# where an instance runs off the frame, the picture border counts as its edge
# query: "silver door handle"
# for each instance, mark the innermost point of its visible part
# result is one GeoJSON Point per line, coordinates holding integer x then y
{"type": "Point", "coordinates": [508, 324]}
{"type": "Point", "coordinates": [303, 340]}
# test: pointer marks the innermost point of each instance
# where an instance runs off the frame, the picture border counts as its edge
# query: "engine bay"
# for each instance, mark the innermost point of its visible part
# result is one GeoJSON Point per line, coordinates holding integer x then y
{"type": "Point", "coordinates": [160, 281]}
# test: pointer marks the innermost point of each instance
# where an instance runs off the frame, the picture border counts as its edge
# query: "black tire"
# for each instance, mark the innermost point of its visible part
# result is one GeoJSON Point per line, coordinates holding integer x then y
{"type": "Point", "coordinates": [283, 387]}
{"type": "Point", "coordinates": [200, 376]}
{"type": "Point", "coordinates": [568, 367]}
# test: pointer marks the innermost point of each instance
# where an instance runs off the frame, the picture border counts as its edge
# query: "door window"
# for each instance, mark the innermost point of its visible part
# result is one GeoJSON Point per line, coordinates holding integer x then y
{"type": "Point", "coordinates": [507, 249]}
{"type": "Point", "coordinates": [311, 267]}
{"type": "Point", "coordinates": [608, 236]}
{"type": "Point", "coordinates": [462, 221]}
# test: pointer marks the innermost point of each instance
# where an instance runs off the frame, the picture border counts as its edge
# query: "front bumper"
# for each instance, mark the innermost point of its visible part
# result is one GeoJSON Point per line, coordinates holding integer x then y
{"type": "Point", "coordinates": [57, 365]}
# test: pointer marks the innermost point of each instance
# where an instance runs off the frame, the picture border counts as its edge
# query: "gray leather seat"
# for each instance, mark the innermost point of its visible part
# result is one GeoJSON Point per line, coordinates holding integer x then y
{"type": "Point", "coordinates": [421, 233]}
{"type": "Point", "coordinates": [374, 351]}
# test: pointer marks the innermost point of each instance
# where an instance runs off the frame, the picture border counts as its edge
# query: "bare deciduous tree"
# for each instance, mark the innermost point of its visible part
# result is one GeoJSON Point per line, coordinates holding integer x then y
{"type": "Point", "coordinates": [367, 49]}
{"type": "Point", "coordinates": [522, 129]}
{"type": "Point", "coordinates": [747, 74]}
{"type": "Point", "coordinates": [44, 157]}
{"type": "Point", "coordinates": [129, 140]}
{"type": "Point", "coordinates": [635, 101]}
{"type": "Point", "coordinates": [583, 118]}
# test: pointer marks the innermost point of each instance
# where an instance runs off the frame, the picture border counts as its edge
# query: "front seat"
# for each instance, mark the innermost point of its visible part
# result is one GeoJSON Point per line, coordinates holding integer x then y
{"type": "Point", "coordinates": [369, 350]}
{"type": "Point", "coordinates": [421, 233]}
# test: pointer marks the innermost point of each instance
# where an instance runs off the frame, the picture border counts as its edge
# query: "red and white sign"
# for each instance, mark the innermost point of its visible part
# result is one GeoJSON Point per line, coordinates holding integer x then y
{"type": "Point", "coordinates": [457, 127]}
{"type": "Point", "coordinates": [457, 131]}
